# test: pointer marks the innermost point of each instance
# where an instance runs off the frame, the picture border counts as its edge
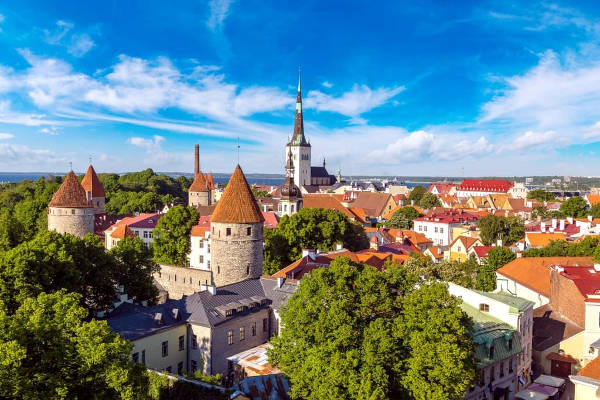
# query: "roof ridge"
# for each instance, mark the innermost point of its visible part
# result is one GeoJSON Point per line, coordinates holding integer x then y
{"type": "Point", "coordinates": [237, 204]}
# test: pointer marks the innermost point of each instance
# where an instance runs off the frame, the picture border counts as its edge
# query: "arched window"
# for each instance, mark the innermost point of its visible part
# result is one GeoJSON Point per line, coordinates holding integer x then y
{"type": "Point", "coordinates": [248, 269]}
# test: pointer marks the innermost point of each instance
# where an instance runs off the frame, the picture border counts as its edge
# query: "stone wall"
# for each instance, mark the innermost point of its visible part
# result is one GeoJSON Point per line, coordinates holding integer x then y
{"type": "Point", "coordinates": [179, 281]}
{"type": "Point", "coordinates": [76, 221]}
{"type": "Point", "coordinates": [98, 203]}
{"type": "Point", "coordinates": [566, 299]}
{"type": "Point", "coordinates": [199, 198]}
{"type": "Point", "coordinates": [236, 256]}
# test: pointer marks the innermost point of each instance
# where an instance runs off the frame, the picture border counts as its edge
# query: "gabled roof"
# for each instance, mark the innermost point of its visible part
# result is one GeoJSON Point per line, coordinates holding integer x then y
{"type": "Point", "coordinates": [485, 185]}
{"type": "Point", "coordinates": [373, 201]}
{"type": "Point", "coordinates": [591, 370]}
{"type": "Point", "coordinates": [482, 251]}
{"type": "Point", "coordinates": [319, 172]}
{"type": "Point", "coordinates": [142, 221]}
{"type": "Point", "coordinates": [92, 184]}
{"type": "Point", "coordinates": [325, 201]}
{"type": "Point", "coordinates": [534, 272]}
{"type": "Point", "coordinates": [271, 219]}
{"type": "Point", "coordinates": [541, 239]}
{"type": "Point", "coordinates": [70, 194]}
{"type": "Point", "coordinates": [467, 241]}
{"type": "Point", "coordinates": [199, 184]}
{"type": "Point", "coordinates": [237, 204]}
{"type": "Point", "coordinates": [593, 199]}
{"type": "Point", "coordinates": [121, 232]}
{"type": "Point", "coordinates": [436, 252]}
{"type": "Point", "coordinates": [442, 188]}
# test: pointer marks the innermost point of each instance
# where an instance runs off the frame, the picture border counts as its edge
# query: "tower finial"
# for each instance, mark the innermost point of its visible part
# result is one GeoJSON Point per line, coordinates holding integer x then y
{"type": "Point", "coordinates": [238, 149]}
{"type": "Point", "coordinates": [299, 79]}
{"type": "Point", "coordinates": [70, 165]}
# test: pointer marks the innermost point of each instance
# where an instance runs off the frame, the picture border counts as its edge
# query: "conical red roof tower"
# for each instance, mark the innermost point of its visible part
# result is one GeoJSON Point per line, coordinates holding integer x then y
{"type": "Point", "coordinates": [70, 194]}
{"type": "Point", "coordinates": [92, 184]}
{"type": "Point", "coordinates": [237, 204]}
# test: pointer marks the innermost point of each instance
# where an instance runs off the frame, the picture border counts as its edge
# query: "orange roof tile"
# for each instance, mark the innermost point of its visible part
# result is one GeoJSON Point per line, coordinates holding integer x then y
{"type": "Point", "coordinates": [541, 239]}
{"type": "Point", "coordinates": [415, 237]}
{"type": "Point", "coordinates": [436, 251]}
{"type": "Point", "coordinates": [70, 194]}
{"type": "Point", "coordinates": [121, 232]}
{"type": "Point", "coordinates": [533, 272]}
{"type": "Point", "coordinates": [593, 199]}
{"type": "Point", "coordinates": [199, 230]}
{"type": "Point", "coordinates": [199, 184]}
{"type": "Point", "coordinates": [592, 369]}
{"type": "Point", "coordinates": [92, 184]}
{"type": "Point", "coordinates": [360, 213]}
{"type": "Point", "coordinates": [467, 241]}
{"type": "Point", "coordinates": [325, 201]}
{"type": "Point", "coordinates": [237, 204]}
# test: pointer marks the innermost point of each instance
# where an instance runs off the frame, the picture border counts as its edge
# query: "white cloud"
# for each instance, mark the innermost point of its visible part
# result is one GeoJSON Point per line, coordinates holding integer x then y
{"type": "Point", "coordinates": [148, 144]}
{"type": "Point", "coordinates": [218, 11]}
{"type": "Point", "coordinates": [56, 35]}
{"type": "Point", "coordinates": [19, 155]}
{"type": "Point", "coordinates": [326, 84]}
{"type": "Point", "coordinates": [80, 44]}
{"type": "Point", "coordinates": [533, 139]}
{"type": "Point", "coordinates": [353, 103]}
{"type": "Point", "coordinates": [4, 136]}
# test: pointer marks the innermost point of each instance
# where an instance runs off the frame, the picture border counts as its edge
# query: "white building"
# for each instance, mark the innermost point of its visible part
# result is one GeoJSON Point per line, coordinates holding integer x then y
{"type": "Point", "coordinates": [438, 227]}
{"type": "Point", "coordinates": [199, 256]}
{"type": "Point", "coordinates": [141, 225]}
{"type": "Point", "coordinates": [518, 191]}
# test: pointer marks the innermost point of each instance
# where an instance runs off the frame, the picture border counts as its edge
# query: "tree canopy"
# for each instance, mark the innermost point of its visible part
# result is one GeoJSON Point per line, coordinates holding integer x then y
{"type": "Point", "coordinates": [574, 207]}
{"type": "Point", "coordinates": [416, 194]}
{"type": "Point", "coordinates": [309, 228]}
{"type": "Point", "coordinates": [492, 228]}
{"type": "Point", "coordinates": [429, 200]}
{"type": "Point", "coordinates": [540, 195]}
{"type": "Point", "coordinates": [49, 351]}
{"type": "Point", "coordinates": [351, 331]}
{"type": "Point", "coordinates": [561, 248]}
{"type": "Point", "coordinates": [403, 218]}
{"type": "Point", "coordinates": [172, 235]}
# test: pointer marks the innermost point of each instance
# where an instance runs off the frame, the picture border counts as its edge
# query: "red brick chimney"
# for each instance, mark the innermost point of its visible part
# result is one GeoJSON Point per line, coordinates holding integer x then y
{"type": "Point", "coordinates": [197, 160]}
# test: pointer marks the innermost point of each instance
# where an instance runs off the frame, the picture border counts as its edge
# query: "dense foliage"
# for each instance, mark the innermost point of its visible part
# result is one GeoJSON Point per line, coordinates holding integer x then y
{"type": "Point", "coordinates": [508, 229]}
{"type": "Point", "coordinates": [416, 194]}
{"type": "Point", "coordinates": [588, 247]}
{"type": "Point", "coordinates": [172, 235]}
{"type": "Point", "coordinates": [403, 218]}
{"type": "Point", "coordinates": [353, 332]}
{"type": "Point", "coordinates": [540, 195]}
{"type": "Point", "coordinates": [314, 228]}
{"type": "Point", "coordinates": [429, 200]}
{"type": "Point", "coordinates": [49, 351]}
{"type": "Point", "coordinates": [574, 207]}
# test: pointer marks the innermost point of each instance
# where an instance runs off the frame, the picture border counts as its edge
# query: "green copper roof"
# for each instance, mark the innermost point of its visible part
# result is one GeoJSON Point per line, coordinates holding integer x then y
{"type": "Point", "coordinates": [489, 331]}
{"type": "Point", "coordinates": [519, 304]}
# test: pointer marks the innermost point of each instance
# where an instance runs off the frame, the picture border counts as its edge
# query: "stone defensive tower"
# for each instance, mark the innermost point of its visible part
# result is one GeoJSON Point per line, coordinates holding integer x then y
{"type": "Point", "coordinates": [236, 234]}
{"type": "Point", "coordinates": [94, 190]}
{"type": "Point", "coordinates": [201, 191]}
{"type": "Point", "coordinates": [69, 210]}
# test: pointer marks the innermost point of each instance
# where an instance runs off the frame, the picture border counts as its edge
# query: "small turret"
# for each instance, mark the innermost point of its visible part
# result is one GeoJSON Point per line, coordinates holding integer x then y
{"type": "Point", "coordinates": [94, 190]}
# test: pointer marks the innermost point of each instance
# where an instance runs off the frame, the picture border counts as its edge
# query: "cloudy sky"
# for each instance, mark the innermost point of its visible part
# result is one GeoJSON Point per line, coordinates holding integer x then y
{"type": "Point", "coordinates": [395, 88]}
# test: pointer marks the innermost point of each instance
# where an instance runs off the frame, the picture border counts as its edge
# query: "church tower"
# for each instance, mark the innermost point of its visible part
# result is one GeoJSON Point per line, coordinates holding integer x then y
{"type": "Point", "coordinates": [291, 197]}
{"type": "Point", "coordinates": [69, 211]}
{"type": "Point", "coordinates": [94, 190]}
{"type": "Point", "coordinates": [236, 234]}
{"type": "Point", "coordinates": [298, 145]}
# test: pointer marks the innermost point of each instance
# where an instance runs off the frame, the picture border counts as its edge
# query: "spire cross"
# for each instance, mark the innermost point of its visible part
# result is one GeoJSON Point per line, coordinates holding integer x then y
{"type": "Point", "coordinates": [90, 159]}
{"type": "Point", "coordinates": [70, 165]}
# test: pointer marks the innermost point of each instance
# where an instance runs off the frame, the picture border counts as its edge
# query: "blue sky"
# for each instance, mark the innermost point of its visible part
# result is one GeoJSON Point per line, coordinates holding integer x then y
{"type": "Point", "coordinates": [399, 88]}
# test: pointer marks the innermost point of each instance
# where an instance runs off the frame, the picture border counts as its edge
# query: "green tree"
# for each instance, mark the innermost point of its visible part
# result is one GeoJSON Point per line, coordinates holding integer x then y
{"type": "Point", "coordinates": [403, 218]}
{"type": "Point", "coordinates": [497, 258]}
{"type": "Point", "coordinates": [574, 207]}
{"type": "Point", "coordinates": [310, 228]}
{"type": "Point", "coordinates": [416, 194]}
{"type": "Point", "coordinates": [429, 200]}
{"type": "Point", "coordinates": [351, 331]}
{"type": "Point", "coordinates": [540, 195]}
{"type": "Point", "coordinates": [49, 351]}
{"type": "Point", "coordinates": [11, 231]}
{"type": "Point", "coordinates": [136, 269]}
{"type": "Point", "coordinates": [492, 228]}
{"type": "Point", "coordinates": [172, 235]}
{"type": "Point", "coordinates": [595, 210]}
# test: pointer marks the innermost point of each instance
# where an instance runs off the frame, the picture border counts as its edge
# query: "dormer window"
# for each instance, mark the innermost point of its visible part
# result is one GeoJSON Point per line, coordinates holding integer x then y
{"type": "Point", "coordinates": [484, 307]}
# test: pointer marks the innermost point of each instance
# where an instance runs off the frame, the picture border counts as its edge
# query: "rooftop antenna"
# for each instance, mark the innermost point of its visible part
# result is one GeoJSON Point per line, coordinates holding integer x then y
{"type": "Point", "coordinates": [70, 165]}
{"type": "Point", "coordinates": [90, 159]}
{"type": "Point", "coordinates": [238, 150]}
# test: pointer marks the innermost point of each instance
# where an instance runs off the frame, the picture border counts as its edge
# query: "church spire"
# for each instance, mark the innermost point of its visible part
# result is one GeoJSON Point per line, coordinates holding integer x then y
{"type": "Point", "coordinates": [298, 138]}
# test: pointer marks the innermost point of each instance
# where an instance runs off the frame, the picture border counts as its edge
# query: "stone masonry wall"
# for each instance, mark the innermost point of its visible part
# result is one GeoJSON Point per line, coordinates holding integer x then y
{"type": "Point", "coordinates": [76, 221]}
{"type": "Point", "coordinates": [566, 298]}
{"type": "Point", "coordinates": [238, 256]}
{"type": "Point", "coordinates": [98, 204]}
{"type": "Point", "coordinates": [179, 281]}
{"type": "Point", "coordinates": [199, 199]}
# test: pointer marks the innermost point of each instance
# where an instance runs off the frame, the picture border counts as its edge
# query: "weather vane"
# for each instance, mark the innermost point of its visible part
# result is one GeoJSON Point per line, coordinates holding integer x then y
{"type": "Point", "coordinates": [238, 150]}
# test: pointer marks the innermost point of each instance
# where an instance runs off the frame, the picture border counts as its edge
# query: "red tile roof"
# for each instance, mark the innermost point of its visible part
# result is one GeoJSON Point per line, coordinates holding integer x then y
{"type": "Point", "coordinates": [237, 204]}
{"type": "Point", "coordinates": [70, 194]}
{"type": "Point", "coordinates": [121, 232]}
{"type": "Point", "coordinates": [442, 188]}
{"type": "Point", "coordinates": [448, 217]}
{"type": "Point", "coordinates": [142, 221]}
{"type": "Point", "coordinates": [200, 183]}
{"type": "Point", "coordinates": [271, 219]}
{"type": "Point", "coordinates": [591, 370]}
{"type": "Point", "coordinates": [482, 251]}
{"type": "Point", "coordinates": [541, 239]}
{"type": "Point", "coordinates": [485, 185]}
{"type": "Point", "coordinates": [586, 279]}
{"type": "Point", "coordinates": [325, 201]}
{"type": "Point", "coordinates": [373, 203]}
{"type": "Point", "coordinates": [92, 184]}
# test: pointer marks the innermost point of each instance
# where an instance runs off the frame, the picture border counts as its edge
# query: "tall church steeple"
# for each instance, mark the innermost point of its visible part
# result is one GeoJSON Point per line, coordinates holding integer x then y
{"type": "Point", "coordinates": [298, 146]}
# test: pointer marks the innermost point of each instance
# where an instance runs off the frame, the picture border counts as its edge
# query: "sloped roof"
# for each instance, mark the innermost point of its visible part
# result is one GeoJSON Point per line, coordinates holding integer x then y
{"type": "Point", "coordinates": [70, 194]}
{"type": "Point", "coordinates": [121, 232]}
{"type": "Point", "coordinates": [143, 221]}
{"type": "Point", "coordinates": [325, 201]}
{"type": "Point", "coordinates": [237, 204]}
{"type": "Point", "coordinates": [593, 199]}
{"type": "Point", "coordinates": [482, 251]}
{"type": "Point", "coordinates": [467, 241]}
{"type": "Point", "coordinates": [541, 239]}
{"type": "Point", "coordinates": [200, 184]}
{"type": "Point", "coordinates": [373, 201]}
{"type": "Point", "coordinates": [592, 369]}
{"type": "Point", "coordinates": [436, 252]}
{"type": "Point", "coordinates": [199, 231]}
{"type": "Point", "coordinates": [534, 272]}
{"type": "Point", "coordinates": [92, 184]}
{"type": "Point", "coordinates": [485, 185]}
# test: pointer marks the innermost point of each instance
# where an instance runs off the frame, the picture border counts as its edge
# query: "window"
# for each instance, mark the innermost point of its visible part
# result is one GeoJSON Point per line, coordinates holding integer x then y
{"type": "Point", "coordinates": [510, 366]}
{"type": "Point", "coordinates": [492, 374]}
{"type": "Point", "coordinates": [113, 242]}
{"type": "Point", "coordinates": [502, 369]}
{"type": "Point", "coordinates": [459, 249]}
{"type": "Point", "coordinates": [146, 234]}
{"type": "Point", "coordinates": [165, 348]}
{"type": "Point", "coordinates": [441, 230]}
{"type": "Point", "coordinates": [72, 211]}
{"type": "Point", "coordinates": [229, 337]}
{"type": "Point", "coordinates": [194, 342]}
{"type": "Point", "coordinates": [265, 324]}
{"type": "Point", "coordinates": [218, 269]}
{"type": "Point", "coordinates": [242, 333]}
{"type": "Point", "coordinates": [484, 307]}
{"type": "Point", "coordinates": [194, 366]}
{"type": "Point", "coordinates": [135, 357]}
{"type": "Point", "coordinates": [201, 244]}
{"type": "Point", "coordinates": [208, 264]}
{"type": "Point", "coordinates": [510, 344]}
{"type": "Point", "coordinates": [208, 248]}
{"type": "Point", "coordinates": [150, 234]}
{"type": "Point", "coordinates": [248, 231]}
{"type": "Point", "coordinates": [253, 329]}
{"type": "Point", "coordinates": [424, 229]}
{"type": "Point", "coordinates": [201, 259]}
{"type": "Point", "coordinates": [180, 368]}
{"type": "Point", "coordinates": [168, 369]}
{"type": "Point", "coordinates": [137, 233]}
{"type": "Point", "coordinates": [247, 269]}
{"type": "Point", "coordinates": [228, 231]}
{"type": "Point", "coordinates": [491, 355]}
{"type": "Point", "coordinates": [435, 229]}
{"type": "Point", "coordinates": [181, 343]}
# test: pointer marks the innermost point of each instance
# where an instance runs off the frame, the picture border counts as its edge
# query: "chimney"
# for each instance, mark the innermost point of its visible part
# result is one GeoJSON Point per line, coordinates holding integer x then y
{"type": "Point", "coordinates": [570, 220]}
{"type": "Point", "coordinates": [280, 281]}
{"type": "Point", "coordinates": [196, 160]}
{"type": "Point", "coordinates": [543, 227]}
{"type": "Point", "coordinates": [308, 252]}
{"type": "Point", "coordinates": [554, 223]}
{"type": "Point", "coordinates": [212, 289]}
{"type": "Point", "coordinates": [597, 267]}
{"type": "Point", "coordinates": [499, 243]}
{"type": "Point", "coordinates": [590, 218]}
{"type": "Point", "coordinates": [339, 246]}
{"type": "Point", "coordinates": [562, 225]}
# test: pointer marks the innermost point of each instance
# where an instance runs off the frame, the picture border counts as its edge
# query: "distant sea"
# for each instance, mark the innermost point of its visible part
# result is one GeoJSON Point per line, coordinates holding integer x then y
{"type": "Point", "coordinates": [32, 176]}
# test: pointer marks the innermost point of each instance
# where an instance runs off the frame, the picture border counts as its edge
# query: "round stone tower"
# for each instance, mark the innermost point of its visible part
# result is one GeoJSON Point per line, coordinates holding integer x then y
{"type": "Point", "coordinates": [94, 190]}
{"type": "Point", "coordinates": [201, 190]}
{"type": "Point", "coordinates": [236, 234]}
{"type": "Point", "coordinates": [69, 210]}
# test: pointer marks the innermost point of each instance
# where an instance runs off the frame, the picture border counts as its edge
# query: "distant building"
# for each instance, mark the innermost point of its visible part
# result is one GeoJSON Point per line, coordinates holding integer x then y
{"type": "Point", "coordinates": [201, 191]}
{"type": "Point", "coordinates": [290, 199]}
{"type": "Point", "coordinates": [438, 226]}
{"type": "Point", "coordinates": [142, 226]}
{"type": "Point", "coordinates": [482, 187]}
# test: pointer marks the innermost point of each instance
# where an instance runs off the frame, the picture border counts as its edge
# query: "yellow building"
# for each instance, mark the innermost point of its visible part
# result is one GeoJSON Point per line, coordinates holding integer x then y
{"type": "Point", "coordinates": [460, 247]}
